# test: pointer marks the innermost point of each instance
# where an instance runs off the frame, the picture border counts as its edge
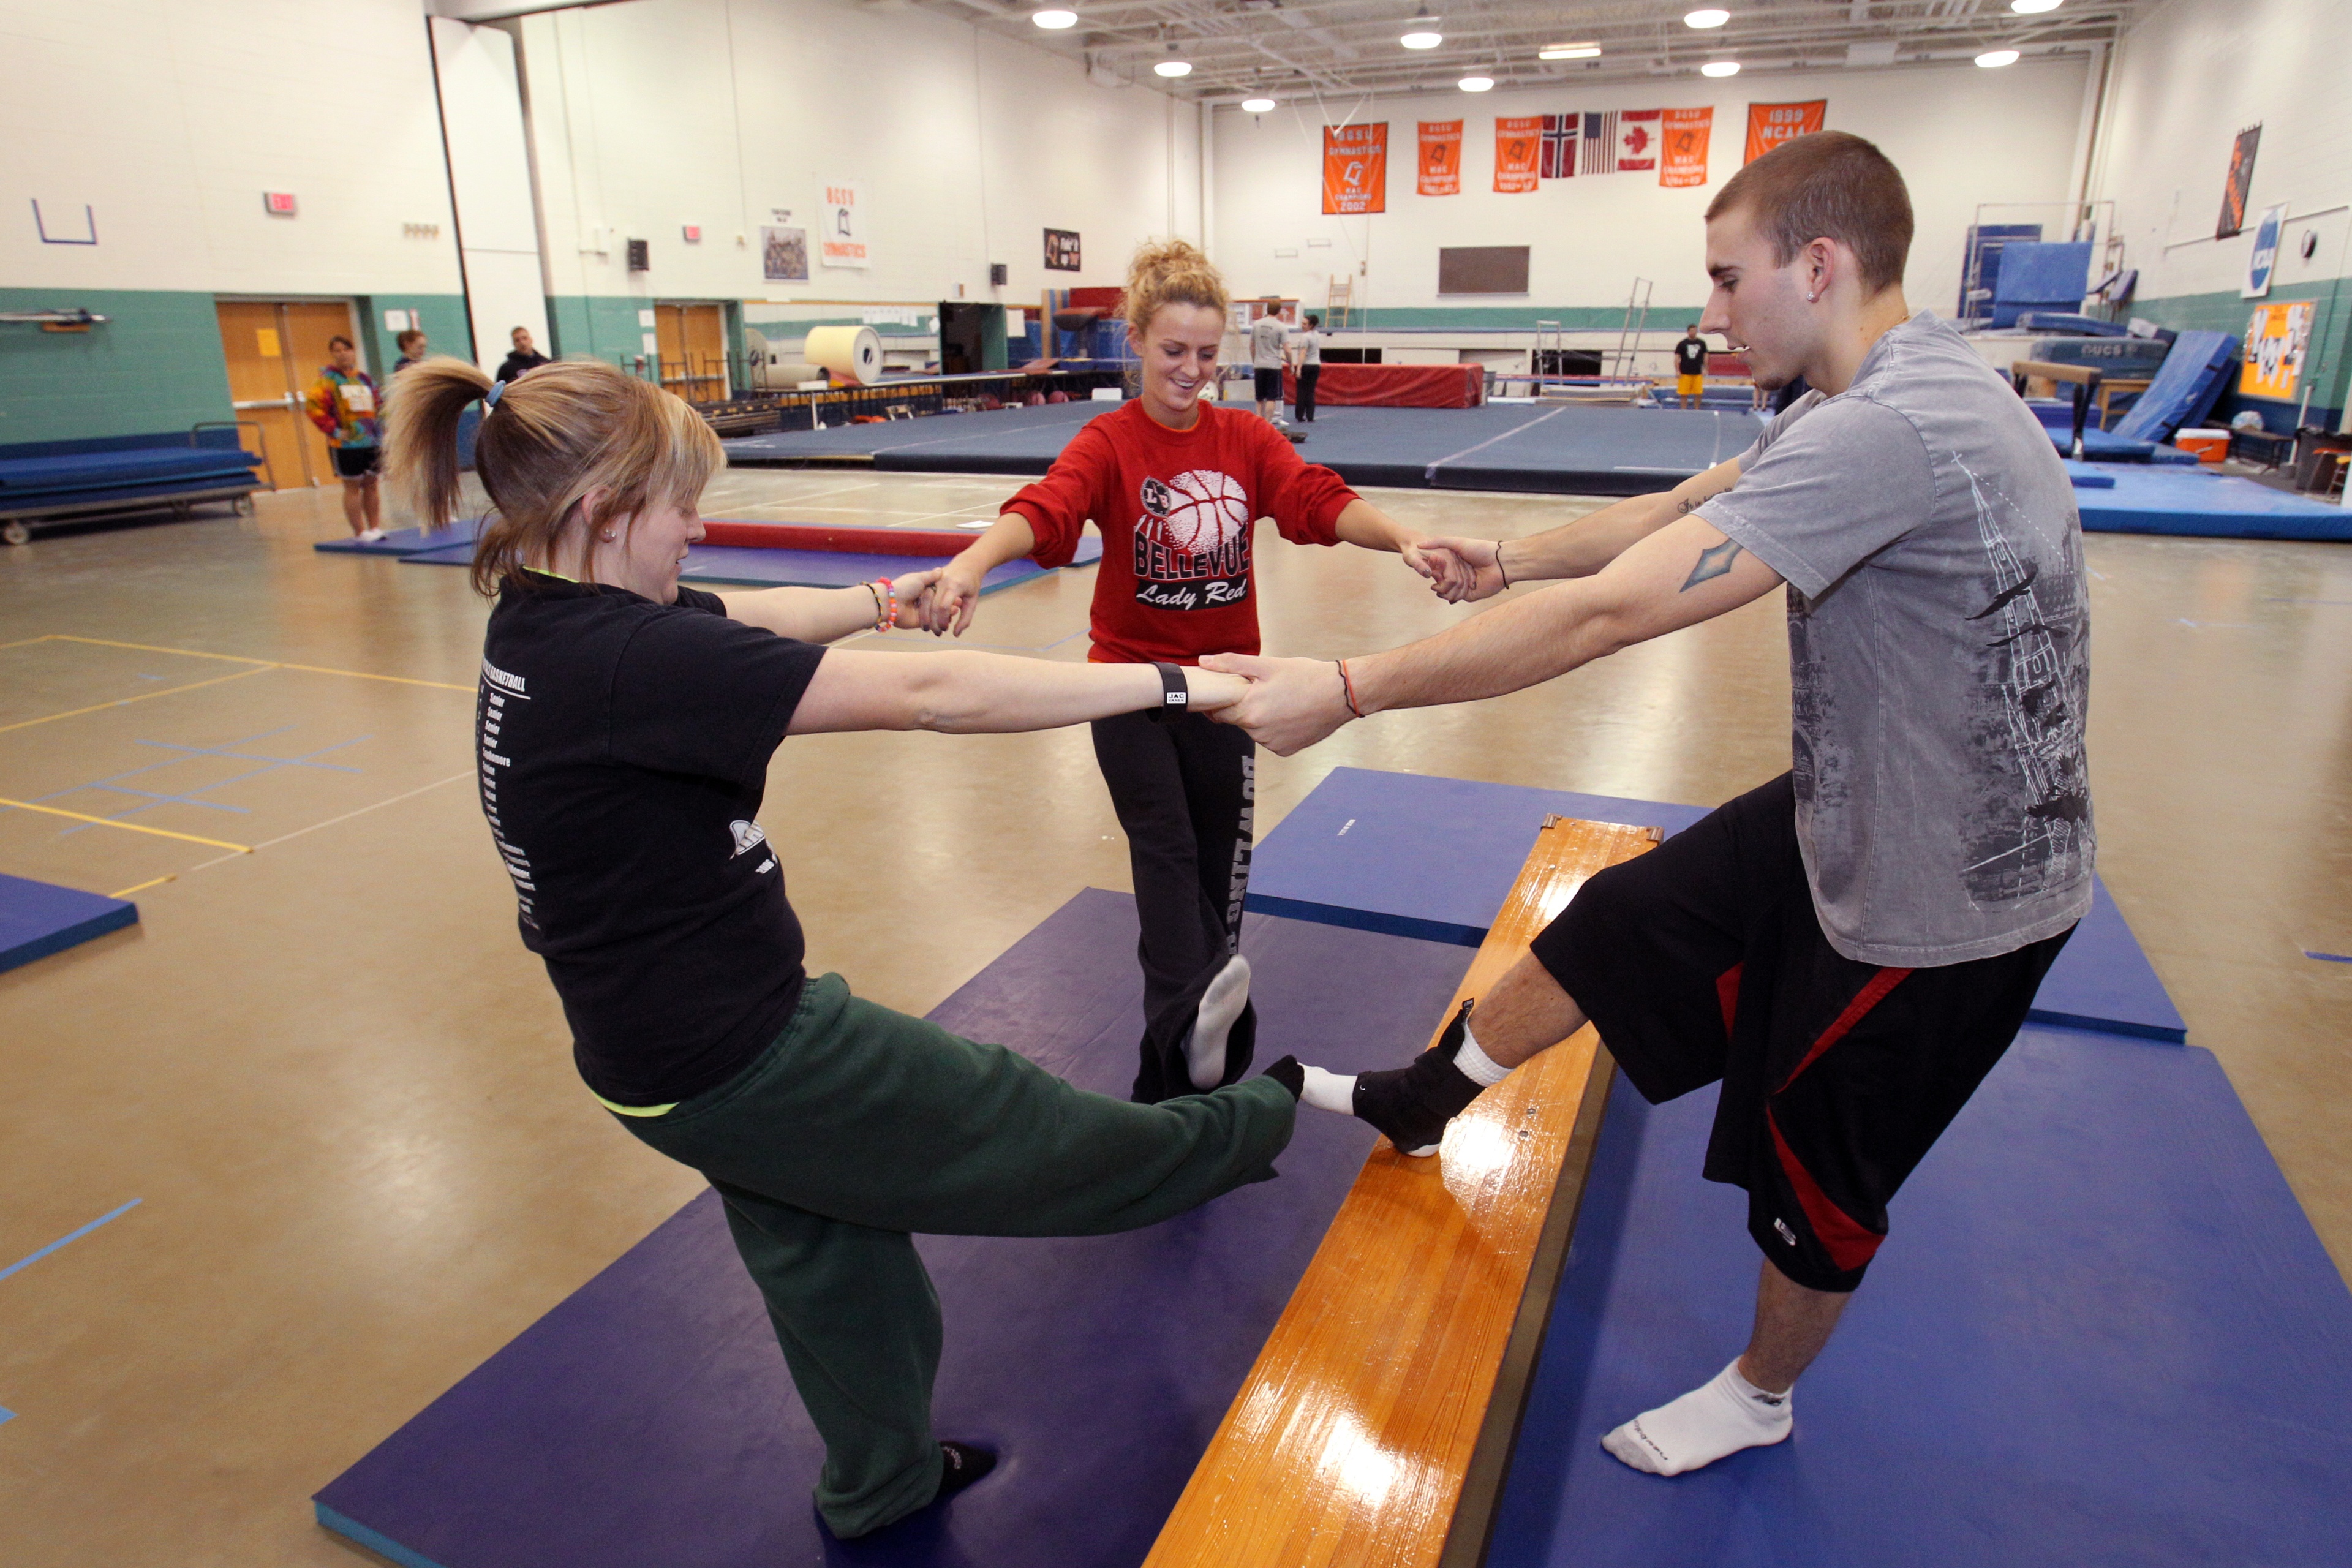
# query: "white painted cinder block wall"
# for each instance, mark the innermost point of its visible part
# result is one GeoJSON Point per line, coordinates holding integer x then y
{"type": "Point", "coordinates": [1961, 136]}
{"type": "Point", "coordinates": [2186, 79]}
{"type": "Point", "coordinates": [650, 116]}
{"type": "Point", "coordinates": [169, 120]}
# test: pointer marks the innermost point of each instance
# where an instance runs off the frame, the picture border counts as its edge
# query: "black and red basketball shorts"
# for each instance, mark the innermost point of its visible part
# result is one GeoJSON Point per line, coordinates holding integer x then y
{"type": "Point", "coordinates": [1703, 961]}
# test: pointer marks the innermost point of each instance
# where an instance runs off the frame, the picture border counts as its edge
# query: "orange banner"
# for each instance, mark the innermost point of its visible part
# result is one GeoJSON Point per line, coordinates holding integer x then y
{"type": "Point", "coordinates": [1356, 168]}
{"type": "Point", "coordinates": [1441, 158]}
{"type": "Point", "coordinates": [1519, 142]}
{"type": "Point", "coordinates": [1770, 124]}
{"type": "Point", "coordinates": [1686, 133]}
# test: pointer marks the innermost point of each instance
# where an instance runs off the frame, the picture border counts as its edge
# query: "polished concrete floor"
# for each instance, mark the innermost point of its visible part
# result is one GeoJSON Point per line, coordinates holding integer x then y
{"type": "Point", "coordinates": [340, 1092]}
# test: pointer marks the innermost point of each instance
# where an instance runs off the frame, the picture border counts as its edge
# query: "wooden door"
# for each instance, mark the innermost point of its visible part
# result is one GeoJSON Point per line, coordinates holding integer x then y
{"type": "Point", "coordinates": [261, 386]}
{"type": "Point", "coordinates": [692, 343]}
{"type": "Point", "coordinates": [274, 351]}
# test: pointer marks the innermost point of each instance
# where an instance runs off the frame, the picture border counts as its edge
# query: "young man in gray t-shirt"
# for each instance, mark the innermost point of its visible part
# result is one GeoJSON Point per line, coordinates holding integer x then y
{"type": "Point", "coordinates": [1269, 337]}
{"type": "Point", "coordinates": [1850, 948]}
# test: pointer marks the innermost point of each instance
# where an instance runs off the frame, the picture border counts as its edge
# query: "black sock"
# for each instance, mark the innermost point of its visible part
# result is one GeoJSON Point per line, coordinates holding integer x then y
{"type": "Point", "coordinates": [1289, 1074]}
{"type": "Point", "coordinates": [963, 1463]}
{"type": "Point", "coordinates": [1412, 1104]}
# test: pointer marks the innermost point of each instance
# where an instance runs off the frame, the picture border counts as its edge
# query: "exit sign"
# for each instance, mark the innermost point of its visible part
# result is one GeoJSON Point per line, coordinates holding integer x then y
{"type": "Point", "coordinates": [693, 234]}
{"type": "Point", "coordinates": [278, 204]}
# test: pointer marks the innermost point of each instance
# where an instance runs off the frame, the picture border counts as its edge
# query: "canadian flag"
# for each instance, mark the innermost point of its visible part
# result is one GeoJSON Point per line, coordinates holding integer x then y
{"type": "Point", "coordinates": [1637, 139]}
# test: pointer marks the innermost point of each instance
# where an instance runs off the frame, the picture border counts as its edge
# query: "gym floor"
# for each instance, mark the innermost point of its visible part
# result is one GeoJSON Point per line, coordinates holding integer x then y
{"type": "Point", "coordinates": [340, 1092]}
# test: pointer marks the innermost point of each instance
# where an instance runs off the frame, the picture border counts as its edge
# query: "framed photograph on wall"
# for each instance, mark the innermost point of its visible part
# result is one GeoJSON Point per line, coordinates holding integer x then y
{"type": "Point", "coordinates": [1062, 251]}
{"type": "Point", "coordinates": [783, 255]}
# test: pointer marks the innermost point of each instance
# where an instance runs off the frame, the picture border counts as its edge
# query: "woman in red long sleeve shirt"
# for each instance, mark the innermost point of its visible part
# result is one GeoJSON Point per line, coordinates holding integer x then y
{"type": "Point", "coordinates": [1174, 484]}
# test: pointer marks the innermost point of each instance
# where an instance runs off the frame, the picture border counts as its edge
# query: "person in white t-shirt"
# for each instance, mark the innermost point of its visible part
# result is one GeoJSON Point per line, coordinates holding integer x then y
{"type": "Point", "coordinates": [1307, 359]}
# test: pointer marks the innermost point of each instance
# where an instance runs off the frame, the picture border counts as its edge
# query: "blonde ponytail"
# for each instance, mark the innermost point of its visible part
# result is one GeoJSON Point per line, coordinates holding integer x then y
{"type": "Point", "coordinates": [552, 434]}
{"type": "Point", "coordinates": [1169, 272]}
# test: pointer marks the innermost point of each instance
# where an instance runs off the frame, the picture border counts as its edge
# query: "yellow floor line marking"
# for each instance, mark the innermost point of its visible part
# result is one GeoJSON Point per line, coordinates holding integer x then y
{"type": "Point", "coordinates": [126, 826]}
{"type": "Point", "coordinates": [142, 887]}
{"type": "Point", "coordinates": [240, 658]}
{"type": "Point", "coordinates": [127, 702]}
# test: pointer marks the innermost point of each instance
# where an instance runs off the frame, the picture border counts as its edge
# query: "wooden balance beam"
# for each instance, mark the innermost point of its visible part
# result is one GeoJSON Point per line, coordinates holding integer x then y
{"type": "Point", "coordinates": [1376, 1426]}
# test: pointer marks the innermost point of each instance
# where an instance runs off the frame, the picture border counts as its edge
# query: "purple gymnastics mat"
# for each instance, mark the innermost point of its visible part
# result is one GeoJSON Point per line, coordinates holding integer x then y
{"type": "Point", "coordinates": [37, 918]}
{"type": "Point", "coordinates": [757, 566]}
{"type": "Point", "coordinates": [1434, 857]}
{"type": "Point", "coordinates": [2102, 1334]}
{"type": "Point", "coordinates": [648, 1420]}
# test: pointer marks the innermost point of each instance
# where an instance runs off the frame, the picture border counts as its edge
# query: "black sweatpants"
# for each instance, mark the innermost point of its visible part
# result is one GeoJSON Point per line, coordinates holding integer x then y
{"type": "Point", "coordinates": [1185, 792]}
{"type": "Point", "coordinates": [1309, 375]}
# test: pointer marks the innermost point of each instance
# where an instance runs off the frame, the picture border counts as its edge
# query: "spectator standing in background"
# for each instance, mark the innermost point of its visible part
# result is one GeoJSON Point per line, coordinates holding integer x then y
{"type": "Point", "coordinates": [1306, 355]}
{"type": "Point", "coordinates": [525, 356]}
{"type": "Point", "coordinates": [342, 402]}
{"type": "Point", "coordinates": [413, 347]}
{"type": "Point", "coordinates": [1269, 352]}
{"type": "Point", "coordinates": [1690, 367]}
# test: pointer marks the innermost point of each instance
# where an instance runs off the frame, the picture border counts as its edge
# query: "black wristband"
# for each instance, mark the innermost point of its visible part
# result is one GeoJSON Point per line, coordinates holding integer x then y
{"type": "Point", "coordinates": [1175, 695]}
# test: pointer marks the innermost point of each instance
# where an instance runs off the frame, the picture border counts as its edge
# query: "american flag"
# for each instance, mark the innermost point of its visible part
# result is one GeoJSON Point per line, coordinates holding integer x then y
{"type": "Point", "coordinates": [1559, 145]}
{"type": "Point", "coordinates": [1599, 152]}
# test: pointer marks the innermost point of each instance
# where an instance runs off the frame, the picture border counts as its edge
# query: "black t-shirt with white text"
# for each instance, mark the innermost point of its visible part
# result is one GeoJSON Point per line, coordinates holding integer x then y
{"type": "Point", "coordinates": [1690, 356]}
{"type": "Point", "coordinates": [623, 751]}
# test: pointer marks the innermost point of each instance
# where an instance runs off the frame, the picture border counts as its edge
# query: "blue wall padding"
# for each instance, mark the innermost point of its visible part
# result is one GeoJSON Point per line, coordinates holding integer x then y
{"type": "Point", "coordinates": [2047, 273]}
{"type": "Point", "coordinates": [647, 1422]}
{"type": "Point", "coordinates": [37, 918]}
{"type": "Point", "coordinates": [1434, 858]}
{"type": "Point", "coordinates": [2184, 389]}
{"type": "Point", "coordinates": [2100, 1334]}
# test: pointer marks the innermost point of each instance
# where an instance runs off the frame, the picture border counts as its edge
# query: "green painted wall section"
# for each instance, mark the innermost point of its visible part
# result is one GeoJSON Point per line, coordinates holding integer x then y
{"type": "Point", "coordinates": [2327, 363]}
{"type": "Point", "coordinates": [598, 325]}
{"type": "Point", "coordinates": [156, 365]}
{"type": "Point", "coordinates": [442, 317]}
{"type": "Point", "coordinates": [1513, 318]}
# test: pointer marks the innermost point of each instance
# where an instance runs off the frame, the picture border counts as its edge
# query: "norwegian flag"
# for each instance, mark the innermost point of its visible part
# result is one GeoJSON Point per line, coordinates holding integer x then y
{"type": "Point", "coordinates": [1597, 153]}
{"type": "Point", "coordinates": [1559, 145]}
{"type": "Point", "coordinates": [1637, 139]}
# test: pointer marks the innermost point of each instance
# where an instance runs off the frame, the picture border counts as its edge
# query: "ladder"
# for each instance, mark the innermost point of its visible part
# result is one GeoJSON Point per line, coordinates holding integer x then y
{"type": "Point", "coordinates": [1628, 334]}
{"type": "Point", "coordinates": [1340, 303]}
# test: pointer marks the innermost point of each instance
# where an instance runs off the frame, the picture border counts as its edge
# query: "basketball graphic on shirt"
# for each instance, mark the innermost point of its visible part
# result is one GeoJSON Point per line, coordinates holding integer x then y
{"type": "Point", "coordinates": [1206, 508]}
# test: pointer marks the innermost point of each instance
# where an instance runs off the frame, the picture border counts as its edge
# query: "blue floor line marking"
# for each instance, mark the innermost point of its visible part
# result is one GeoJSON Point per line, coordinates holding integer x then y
{"type": "Point", "coordinates": [151, 799]}
{"type": "Point", "coordinates": [35, 1256]}
{"type": "Point", "coordinates": [6, 1416]}
{"type": "Point", "coordinates": [2328, 957]}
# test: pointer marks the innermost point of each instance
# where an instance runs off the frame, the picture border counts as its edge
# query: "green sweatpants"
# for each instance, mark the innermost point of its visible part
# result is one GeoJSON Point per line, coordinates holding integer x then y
{"type": "Point", "coordinates": [860, 1125]}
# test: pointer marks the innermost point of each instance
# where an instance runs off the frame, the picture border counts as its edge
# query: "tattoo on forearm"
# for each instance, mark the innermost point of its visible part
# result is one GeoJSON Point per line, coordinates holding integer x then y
{"type": "Point", "coordinates": [1712, 564]}
{"type": "Point", "coordinates": [1690, 504]}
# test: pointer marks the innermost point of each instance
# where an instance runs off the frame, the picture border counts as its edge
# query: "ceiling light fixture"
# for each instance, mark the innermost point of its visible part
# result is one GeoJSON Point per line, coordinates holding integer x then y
{"type": "Point", "coordinates": [1993, 59]}
{"type": "Point", "coordinates": [1422, 33]}
{"type": "Point", "coordinates": [1475, 83]}
{"type": "Point", "coordinates": [1257, 106]}
{"type": "Point", "coordinates": [1172, 67]}
{"type": "Point", "coordinates": [1053, 19]}
{"type": "Point", "coordinates": [1719, 67]}
{"type": "Point", "coordinates": [1569, 52]}
{"type": "Point", "coordinates": [1710, 17]}
{"type": "Point", "coordinates": [2033, 8]}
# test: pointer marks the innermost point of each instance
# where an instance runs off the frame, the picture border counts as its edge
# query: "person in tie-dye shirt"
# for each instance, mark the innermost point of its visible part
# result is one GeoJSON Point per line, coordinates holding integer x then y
{"type": "Point", "coordinates": [345, 404]}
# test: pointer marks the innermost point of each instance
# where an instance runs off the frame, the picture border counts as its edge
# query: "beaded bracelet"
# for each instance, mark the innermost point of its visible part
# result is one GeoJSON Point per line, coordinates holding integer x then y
{"type": "Point", "coordinates": [886, 604]}
{"type": "Point", "coordinates": [1348, 688]}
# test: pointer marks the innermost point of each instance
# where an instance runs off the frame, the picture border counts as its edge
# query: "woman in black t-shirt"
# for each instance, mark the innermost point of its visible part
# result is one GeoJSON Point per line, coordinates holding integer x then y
{"type": "Point", "coordinates": [625, 725]}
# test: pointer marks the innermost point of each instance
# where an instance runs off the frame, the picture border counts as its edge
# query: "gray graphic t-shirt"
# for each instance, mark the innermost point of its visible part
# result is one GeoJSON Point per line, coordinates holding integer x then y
{"type": "Point", "coordinates": [1938, 652]}
{"type": "Point", "coordinates": [1268, 334]}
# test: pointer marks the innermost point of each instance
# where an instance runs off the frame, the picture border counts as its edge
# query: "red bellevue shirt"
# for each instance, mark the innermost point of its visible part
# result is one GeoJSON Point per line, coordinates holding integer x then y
{"type": "Point", "coordinates": [1175, 509]}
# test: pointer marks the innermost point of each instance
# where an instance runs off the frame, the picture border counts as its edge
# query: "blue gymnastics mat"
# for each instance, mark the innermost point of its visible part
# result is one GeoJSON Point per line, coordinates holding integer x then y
{"type": "Point", "coordinates": [407, 540]}
{"type": "Point", "coordinates": [2200, 503]}
{"type": "Point", "coordinates": [2102, 1334]}
{"type": "Point", "coordinates": [648, 1421]}
{"type": "Point", "coordinates": [752, 566]}
{"type": "Point", "coordinates": [37, 918]}
{"type": "Point", "coordinates": [1434, 858]}
{"type": "Point", "coordinates": [1018, 432]}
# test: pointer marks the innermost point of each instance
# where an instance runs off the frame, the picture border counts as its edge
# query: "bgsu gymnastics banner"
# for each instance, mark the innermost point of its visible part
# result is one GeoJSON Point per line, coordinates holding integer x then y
{"type": "Point", "coordinates": [1517, 140]}
{"type": "Point", "coordinates": [1770, 124]}
{"type": "Point", "coordinates": [1356, 168]}
{"type": "Point", "coordinates": [2275, 340]}
{"type": "Point", "coordinates": [1683, 138]}
{"type": "Point", "coordinates": [1441, 158]}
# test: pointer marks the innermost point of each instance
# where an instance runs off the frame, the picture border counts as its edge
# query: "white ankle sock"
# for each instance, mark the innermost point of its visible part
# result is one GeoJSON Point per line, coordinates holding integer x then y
{"type": "Point", "coordinates": [1330, 1091]}
{"type": "Point", "coordinates": [1721, 1417]}
{"type": "Point", "coordinates": [1477, 1065]}
{"type": "Point", "coordinates": [1221, 1005]}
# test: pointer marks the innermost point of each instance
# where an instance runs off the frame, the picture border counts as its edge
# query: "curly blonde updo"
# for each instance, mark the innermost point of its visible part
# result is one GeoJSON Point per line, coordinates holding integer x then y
{"type": "Point", "coordinates": [1169, 272]}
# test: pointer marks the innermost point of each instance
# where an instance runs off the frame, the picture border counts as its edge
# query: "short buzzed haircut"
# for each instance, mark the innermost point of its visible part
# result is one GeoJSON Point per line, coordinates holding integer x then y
{"type": "Point", "coordinates": [339, 342]}
{"type": "Point", "coordinates": [1829, 186]}
{"type": "Point", "coordinates": [410, 336]}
